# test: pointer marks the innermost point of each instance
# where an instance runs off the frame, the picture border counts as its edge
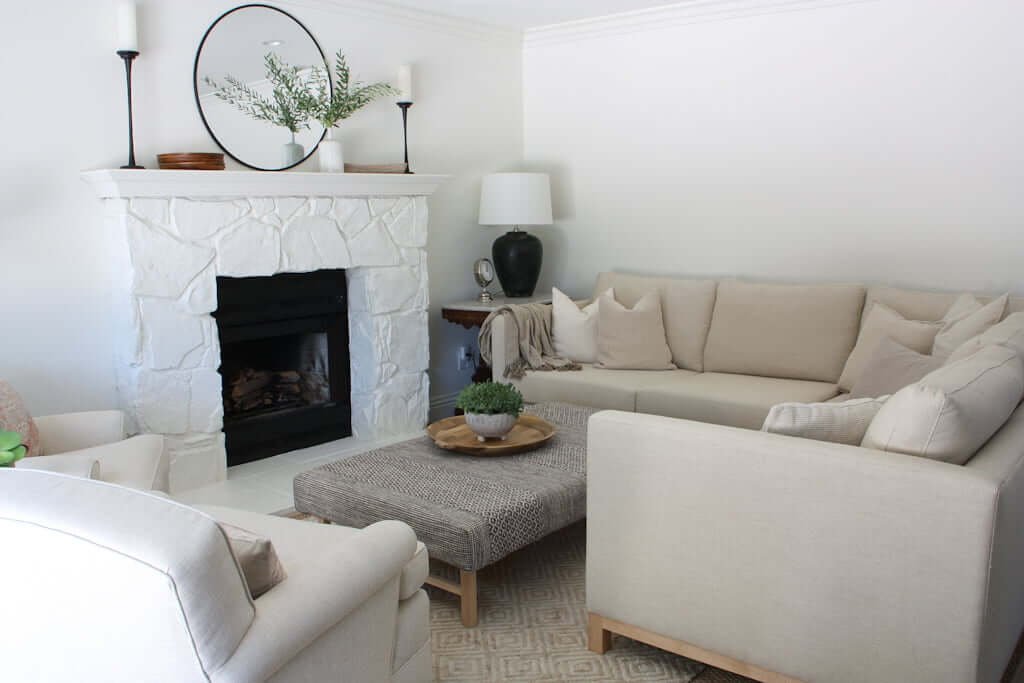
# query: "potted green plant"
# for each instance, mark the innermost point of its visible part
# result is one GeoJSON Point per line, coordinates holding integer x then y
{"type": "Point", "coordinates": [11, 448]}
{"type": "Point", "coordinates": [491, 408]}
{"type": "Point", "coordinates": [331, 103]}
{"type": "Point", "coordinates": [286, 107]}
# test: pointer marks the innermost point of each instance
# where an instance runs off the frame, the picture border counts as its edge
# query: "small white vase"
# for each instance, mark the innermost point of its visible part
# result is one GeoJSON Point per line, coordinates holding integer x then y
{"type": "Point", "coordinates": [332, 156]}
{"type": "Point", "coordinates": [292, 153]}
{"type": "Point", "coordinates": [491, 426]}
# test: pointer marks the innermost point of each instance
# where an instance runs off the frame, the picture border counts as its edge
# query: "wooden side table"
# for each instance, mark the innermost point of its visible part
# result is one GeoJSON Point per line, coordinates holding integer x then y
{"type": "Point", "coordinates": [472, 314]}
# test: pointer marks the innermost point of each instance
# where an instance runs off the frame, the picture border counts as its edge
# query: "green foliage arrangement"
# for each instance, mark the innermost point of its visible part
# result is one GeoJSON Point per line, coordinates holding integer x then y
{"type": "Point", "coordinates": [290, 100]}
{"type": "Point", "coordinates": [11, 449]}
{"type": "Point", "coordinates": [490, 398]}
{"type": "Point", "coordinates": [330, 105]}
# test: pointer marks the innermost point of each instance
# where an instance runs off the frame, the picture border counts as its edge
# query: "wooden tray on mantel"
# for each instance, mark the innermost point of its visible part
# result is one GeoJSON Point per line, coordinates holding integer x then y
{"type": "Point", "coordinates": [452, 434]}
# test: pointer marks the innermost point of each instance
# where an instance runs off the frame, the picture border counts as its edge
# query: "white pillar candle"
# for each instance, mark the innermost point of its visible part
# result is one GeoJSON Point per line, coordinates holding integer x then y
{"type": "Point", "coordinates": [404, 83]}
{"type": "Point", "coordinates": [127, 32]}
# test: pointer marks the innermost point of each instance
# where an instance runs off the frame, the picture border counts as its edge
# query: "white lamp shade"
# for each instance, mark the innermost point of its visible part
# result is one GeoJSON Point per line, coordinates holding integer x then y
{"type": "Point", "coordinates": [515, 199]}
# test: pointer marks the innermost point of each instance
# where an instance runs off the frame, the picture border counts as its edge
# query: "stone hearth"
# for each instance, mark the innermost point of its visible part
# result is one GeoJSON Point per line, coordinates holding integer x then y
{"type": "Point", "coordinates": [179, 230]}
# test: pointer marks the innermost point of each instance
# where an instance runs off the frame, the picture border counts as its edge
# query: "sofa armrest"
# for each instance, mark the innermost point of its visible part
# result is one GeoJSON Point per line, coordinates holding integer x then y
{"type": "Point", "coordinates": [329, 586]}
{"type": "Point", "coordinates": [500, 349]}
{"type": "Point", "coordinates": [72, 464]}
{"type": "Point", "coordinates": [75, 431]}
{"type": "Point", "coordinates": [140, 462]}
{"type": "Point", "coordinates": [816, 560]}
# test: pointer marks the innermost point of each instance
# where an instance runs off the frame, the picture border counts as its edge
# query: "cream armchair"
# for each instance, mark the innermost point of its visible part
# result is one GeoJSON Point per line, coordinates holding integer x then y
{"type": "Point", "coordinates": [128, 586]}
{"type": "Point", "coordinates": [93, 445]}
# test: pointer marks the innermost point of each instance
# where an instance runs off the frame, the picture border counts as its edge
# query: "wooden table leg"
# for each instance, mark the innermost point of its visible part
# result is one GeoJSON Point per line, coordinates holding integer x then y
{"type": "Point", "coordinates": [599, 640]}
{"type": "Point", "coordinates": [467, 587]}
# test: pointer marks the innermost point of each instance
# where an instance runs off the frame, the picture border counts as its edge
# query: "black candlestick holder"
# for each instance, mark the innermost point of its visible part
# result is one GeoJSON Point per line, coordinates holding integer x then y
{"type": "Point", "coordinates": [404, 106]}
{"type": "Point", "coordinates": [129, 56]}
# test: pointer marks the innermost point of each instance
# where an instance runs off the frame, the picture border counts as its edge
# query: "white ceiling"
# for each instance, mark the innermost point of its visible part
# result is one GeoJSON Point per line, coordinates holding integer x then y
{"type": "Point", "coordinates": [521, 14]}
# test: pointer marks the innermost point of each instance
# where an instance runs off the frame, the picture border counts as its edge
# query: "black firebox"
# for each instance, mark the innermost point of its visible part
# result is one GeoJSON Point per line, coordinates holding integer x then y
{"type": "Point", "coordinates": [284, 362]}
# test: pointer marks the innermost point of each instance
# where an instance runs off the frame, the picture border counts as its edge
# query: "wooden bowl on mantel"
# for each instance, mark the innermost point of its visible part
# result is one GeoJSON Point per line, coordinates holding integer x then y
{"type": "Point", "coordinates": [453, 434]}
{"type": "Point", "coordinates": [191, 161]}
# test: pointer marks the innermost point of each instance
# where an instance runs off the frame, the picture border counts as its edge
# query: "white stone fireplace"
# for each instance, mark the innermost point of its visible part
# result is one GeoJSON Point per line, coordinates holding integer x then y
{"type": "Point", "coordinates": [178, 230]}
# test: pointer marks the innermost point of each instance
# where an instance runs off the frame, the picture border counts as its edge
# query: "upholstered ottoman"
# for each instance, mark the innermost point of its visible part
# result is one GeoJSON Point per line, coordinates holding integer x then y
{"type": "Point", "coordinates": [469, 511]}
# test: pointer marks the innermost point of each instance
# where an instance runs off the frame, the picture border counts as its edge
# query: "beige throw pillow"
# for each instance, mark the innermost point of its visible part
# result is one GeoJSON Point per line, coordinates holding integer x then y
{"type": "Point", "coordinates": [256, 556]}
{"type": "Point", "coordinates": [958, 328]}
{"type": "Point", "coordinates": [574, 330]}
{"type": "Point", "coordinates": [953, 411]}
{"type": "Point", "coordinates": [1008, 333]}
{"type": "Point", "coordinates": [632, 338]}
{"type": "Point", "coordinates": [843, 422]}
{"type": "Point", "coordinates": [882, 322]}
{"type": "Point", "coordinates": [14, 417]}
{"type": "Point", "coordinates": [891, 367]}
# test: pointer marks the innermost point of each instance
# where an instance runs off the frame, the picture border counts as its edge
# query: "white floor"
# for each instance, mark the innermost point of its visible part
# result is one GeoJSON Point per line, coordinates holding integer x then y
{"type": "Point", "coordinates": [266, 485]}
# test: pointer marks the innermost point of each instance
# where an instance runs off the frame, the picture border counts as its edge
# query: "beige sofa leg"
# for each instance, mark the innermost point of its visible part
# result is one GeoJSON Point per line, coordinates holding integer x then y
{"type": "Point", "coordinates": [599, 640]}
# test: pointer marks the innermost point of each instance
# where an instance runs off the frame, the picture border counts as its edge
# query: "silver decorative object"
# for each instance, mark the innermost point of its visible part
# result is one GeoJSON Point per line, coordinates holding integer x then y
{"type": "Point", "coordinates": [483, 272]}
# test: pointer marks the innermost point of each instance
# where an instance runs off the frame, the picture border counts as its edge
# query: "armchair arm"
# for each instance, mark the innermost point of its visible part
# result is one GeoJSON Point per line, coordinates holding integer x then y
{"type": "Point", "coordinates": [140, 462]}
{"type": "Point", "coordinates": [75, 465]}
{"type": "Point", "coordinates": [816, 560]}
{"type": "Point", "coordinates": [328, 587]}
{"type": "Point", "coordinates": [74, 431]}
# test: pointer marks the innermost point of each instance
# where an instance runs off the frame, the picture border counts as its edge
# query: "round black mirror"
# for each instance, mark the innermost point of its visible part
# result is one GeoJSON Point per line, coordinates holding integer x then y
{"type": "Point", "coordinates": [249, 76]}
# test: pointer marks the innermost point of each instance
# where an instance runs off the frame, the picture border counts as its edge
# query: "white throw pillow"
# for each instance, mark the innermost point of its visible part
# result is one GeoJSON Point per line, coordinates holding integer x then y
{"type": "Point", "coordinates": [574, 330]}
{"type": "Point", "coordinates": [632, 338]}
{"type": "Point", "coordinates": [953, 411]}
{"type": "Point", "coordinates": [882, 322]}
{"type": "Point", "coordinates": [844, 422]}
{"type": "Point", "coordinates": [1009, 333]}
{"type": "Point", "coordinates": [966, 318]}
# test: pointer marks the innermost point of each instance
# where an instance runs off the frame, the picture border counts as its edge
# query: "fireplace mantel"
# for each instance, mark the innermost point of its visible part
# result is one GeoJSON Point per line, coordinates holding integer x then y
{"type": "Point", "coordinates": [123, 184]}
{"type": "Point", "coordinates": [181, 230]}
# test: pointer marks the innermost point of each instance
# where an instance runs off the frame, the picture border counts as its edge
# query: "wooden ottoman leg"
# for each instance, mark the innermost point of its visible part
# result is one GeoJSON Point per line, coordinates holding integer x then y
{"type": "Point", "coordinates": [599, 639]}
{"type": "Point", "coordinates": [467, 594]}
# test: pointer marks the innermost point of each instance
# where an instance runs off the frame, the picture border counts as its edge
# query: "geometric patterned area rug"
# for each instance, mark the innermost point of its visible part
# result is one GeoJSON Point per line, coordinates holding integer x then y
{"type": "Point", "coordinates": [532, 627]}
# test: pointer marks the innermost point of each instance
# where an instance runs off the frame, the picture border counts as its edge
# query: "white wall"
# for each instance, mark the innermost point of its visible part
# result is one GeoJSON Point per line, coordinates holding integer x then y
{"type": "Point", "coordinates": [63, 111]}
{"type": "Point", "coordinates": [874, 141]}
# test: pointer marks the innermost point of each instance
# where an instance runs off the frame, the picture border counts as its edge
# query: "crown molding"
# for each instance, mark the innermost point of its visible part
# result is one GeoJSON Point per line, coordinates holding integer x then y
{"type": "Point", "coordinates": [679, 14]}
{"type": "Point", "coordinates": [442, 23]}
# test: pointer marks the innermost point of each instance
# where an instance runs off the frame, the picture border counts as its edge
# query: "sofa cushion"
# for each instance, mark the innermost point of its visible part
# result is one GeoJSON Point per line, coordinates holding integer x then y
{"type": "Point", "coordinates": [595, 387]}
{"type": "Point", "coordinates": [967, 318]}
{"type": "Point", "coordinates": [727, 399]}
{"type": "Point", "coordinates": [1009, 333]}
{"type": "Point", "coordinates": [912, 304]}
{"type": "Point", "coordinates": [789, 331]}
{"type": "Point", "coordinates": [632, 338]}
{"type": "Point", "coordinates": [844, 422]}
{"type": "Point", "coordinates": [881, 322]}
{"type": "Point", "coordinates": [891, 367]}
{"type": "Point", "coordinates": [953, 411]}
{"type": "Point", "coordinates": [686, 307]}
{"type": "Point", "coordinates": [574, 329]}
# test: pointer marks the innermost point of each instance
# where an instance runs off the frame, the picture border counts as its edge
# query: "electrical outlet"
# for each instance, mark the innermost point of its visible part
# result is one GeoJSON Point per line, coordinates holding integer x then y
{"type": "Point", "coordinates": [464, 358]}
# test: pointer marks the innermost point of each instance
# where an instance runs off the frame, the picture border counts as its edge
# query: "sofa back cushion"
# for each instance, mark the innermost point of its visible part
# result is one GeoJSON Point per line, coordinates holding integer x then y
{"type": "Point", "coordinates": [686, 307]}
{"type": "Point", "coordinates": [953, 411]}
{"type": "Point", "coordinates": [787, 331]}
{"type": "Point", "coordinates": [918, 304]}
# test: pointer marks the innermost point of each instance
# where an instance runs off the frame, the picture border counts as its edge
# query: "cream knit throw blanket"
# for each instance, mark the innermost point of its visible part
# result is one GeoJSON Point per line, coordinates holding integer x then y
{"type": "Point", "coordinates": [528, 344]}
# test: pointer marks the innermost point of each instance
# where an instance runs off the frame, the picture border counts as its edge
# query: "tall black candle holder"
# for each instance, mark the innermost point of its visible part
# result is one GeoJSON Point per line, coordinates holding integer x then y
{"type": "Point", "coordinates": [129, 56]}
{"type": "Point", "coordinates": [404, 106]}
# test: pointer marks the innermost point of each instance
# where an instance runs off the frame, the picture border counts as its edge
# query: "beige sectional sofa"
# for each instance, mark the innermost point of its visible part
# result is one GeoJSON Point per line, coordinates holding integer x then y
{"type": "Point", "coordinates": [783, 558]}
{"type": "Point", "coordinates": [739, 347]}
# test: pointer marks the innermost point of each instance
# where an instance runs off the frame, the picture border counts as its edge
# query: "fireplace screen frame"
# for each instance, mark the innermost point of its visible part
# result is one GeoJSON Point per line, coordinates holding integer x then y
{"type": "Point", "coordinates": [281, 305]}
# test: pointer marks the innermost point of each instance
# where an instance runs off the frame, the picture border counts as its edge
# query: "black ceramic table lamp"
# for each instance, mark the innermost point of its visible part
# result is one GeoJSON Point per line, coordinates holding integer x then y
{"type": "Point", "coordinates": [516, 199]}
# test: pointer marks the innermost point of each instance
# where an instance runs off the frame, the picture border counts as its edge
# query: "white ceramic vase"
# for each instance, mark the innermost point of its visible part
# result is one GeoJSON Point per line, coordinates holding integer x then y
{"type": "Point", "coordinates": [491, 426]}
{"type": "Point", "coordinates": [332, 156]}
{"type": "Point", "coordinates": [292, 153]}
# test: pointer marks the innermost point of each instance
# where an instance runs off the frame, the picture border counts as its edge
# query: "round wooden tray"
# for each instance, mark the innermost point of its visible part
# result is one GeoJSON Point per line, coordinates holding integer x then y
{"type": "Point", "coordinates": [452, 434]}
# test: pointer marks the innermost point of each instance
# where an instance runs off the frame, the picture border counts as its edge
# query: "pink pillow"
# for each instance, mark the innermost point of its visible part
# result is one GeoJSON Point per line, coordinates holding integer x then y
{"type": "Point", "coordinates": [14, 417]}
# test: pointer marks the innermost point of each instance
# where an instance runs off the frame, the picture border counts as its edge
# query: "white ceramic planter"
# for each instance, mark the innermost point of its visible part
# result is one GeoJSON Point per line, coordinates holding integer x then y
{"type": "Point", "coordinates": [491, 426]}
{"type": "Point", "coordinates": [331, 154]}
